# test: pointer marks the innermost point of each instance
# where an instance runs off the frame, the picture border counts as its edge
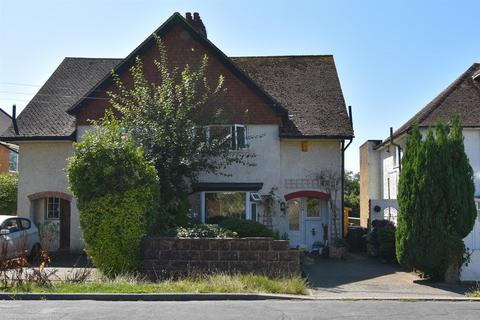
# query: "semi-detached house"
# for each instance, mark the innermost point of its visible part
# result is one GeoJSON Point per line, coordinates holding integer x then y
{"type": "Point", "coordinates": [292, 105]}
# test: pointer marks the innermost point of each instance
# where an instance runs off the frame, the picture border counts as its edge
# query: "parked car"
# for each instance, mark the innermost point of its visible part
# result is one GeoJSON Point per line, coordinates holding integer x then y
{"type": "Point", "coordinates": [18, 237]}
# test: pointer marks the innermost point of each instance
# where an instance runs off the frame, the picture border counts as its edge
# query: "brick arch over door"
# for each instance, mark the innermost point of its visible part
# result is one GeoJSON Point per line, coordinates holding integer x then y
{"type": "Point", "coordinates": [64, 218]}
{"type": "Point", "coordinates": [307, 194]}
{"type": "Point", "coordinates": [48, 194]}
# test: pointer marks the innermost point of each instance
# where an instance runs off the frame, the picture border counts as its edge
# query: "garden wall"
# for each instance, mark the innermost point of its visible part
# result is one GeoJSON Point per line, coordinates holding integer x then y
{"type": "Point", "coordinates": [164, 257]}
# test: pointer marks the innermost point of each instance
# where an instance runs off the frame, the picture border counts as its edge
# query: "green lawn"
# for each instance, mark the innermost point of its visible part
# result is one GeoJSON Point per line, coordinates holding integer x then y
{"type": "Point", "coordinates": [207, 284]}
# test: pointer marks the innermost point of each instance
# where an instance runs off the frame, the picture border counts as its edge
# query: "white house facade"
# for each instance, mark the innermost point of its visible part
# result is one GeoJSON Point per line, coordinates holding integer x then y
{"type": "Point", "coordinates": [380, 166]}
{"type": "Point", "coordinates": [288, 111]}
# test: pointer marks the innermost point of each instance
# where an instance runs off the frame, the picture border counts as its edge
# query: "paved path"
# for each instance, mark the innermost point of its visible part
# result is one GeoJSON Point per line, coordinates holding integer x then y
{"type": "Point", "coordinates": [359, 276]}
{"type": "Point", "coordinates": [251, 310]}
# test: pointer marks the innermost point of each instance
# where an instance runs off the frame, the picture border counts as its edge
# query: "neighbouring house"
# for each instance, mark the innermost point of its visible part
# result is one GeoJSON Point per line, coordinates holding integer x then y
{"type": "Point", "coordinates": [8, 151]}
{"type": "Point", "coordinates": [292, 105]}
{"type": "Point", "coordinates": [380, 163]}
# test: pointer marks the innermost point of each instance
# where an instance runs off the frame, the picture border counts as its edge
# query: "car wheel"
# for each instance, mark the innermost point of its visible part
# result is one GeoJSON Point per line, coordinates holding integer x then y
{"type": "Point", "coordinates": [34, 257]}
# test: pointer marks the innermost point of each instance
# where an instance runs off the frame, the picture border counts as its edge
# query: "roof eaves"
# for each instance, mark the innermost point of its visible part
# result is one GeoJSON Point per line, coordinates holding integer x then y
{"type": "Point", "coordinates": [38, 138]}
{"type": "Point", "coordinates": [317, 136]}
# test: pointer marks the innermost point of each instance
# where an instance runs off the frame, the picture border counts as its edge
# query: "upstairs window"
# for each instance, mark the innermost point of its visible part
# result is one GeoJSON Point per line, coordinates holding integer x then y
{"type": "Point", "coordinates": [397, 156]}
{"type": "Point", "coordinates": [236, 134]}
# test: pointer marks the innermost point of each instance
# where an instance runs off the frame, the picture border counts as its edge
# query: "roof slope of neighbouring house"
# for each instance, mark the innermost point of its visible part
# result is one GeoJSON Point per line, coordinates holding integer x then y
{"type": "Point", "coordinates": [461, 97]}
{"type": "Point", "coordinates": [307, 87]}
{"type": "Point", "coordinates": [45, 116]}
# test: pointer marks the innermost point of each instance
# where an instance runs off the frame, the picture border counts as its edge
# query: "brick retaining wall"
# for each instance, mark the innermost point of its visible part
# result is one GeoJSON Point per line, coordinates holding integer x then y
{"type": "Point", "coordinates": [165, 257]}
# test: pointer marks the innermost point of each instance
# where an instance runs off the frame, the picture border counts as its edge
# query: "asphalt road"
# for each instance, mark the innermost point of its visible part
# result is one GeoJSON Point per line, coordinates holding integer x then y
{"type": "Point", "coordinates": [224, 310]}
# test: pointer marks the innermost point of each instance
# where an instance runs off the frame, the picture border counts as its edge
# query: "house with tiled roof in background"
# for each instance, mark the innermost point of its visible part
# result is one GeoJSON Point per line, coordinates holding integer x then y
{"type": "Point", "coordinates": [8, 151]}
{"type": "Point", "coordinates": [292, 105]}
{"type": "Point", "coordinates": [380, 163]}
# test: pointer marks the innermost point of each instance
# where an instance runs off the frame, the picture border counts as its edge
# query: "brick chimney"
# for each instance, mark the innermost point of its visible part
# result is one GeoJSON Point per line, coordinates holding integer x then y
{"type": "Point", "coordinates": [196, 22]}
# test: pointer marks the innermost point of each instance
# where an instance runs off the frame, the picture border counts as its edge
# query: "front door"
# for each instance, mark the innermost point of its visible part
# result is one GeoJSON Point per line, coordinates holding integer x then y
{"type": "Point", "coordinates": [307, 218]}
{"type": "Point", "coordinates": [64, 225]}
{"type": "Point", "coordinates": [313, 222]}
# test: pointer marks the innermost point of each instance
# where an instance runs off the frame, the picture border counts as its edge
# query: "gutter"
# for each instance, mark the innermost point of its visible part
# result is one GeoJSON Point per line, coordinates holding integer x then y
{"type": "Point", "coordinates": [344, 147]}
{"type": "Point", "coordinates": [392, 142]}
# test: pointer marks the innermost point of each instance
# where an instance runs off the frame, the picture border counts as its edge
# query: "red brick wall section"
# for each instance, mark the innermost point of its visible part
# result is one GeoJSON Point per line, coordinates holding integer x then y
{"type": "Point", "coordinates": [167, 257]}
{"type": "Point", "coordinates": [47, 194]}
{"type": "Point", "coordinates": [4, 160]}
{"type": "Point", "coordinates": [240, 104]}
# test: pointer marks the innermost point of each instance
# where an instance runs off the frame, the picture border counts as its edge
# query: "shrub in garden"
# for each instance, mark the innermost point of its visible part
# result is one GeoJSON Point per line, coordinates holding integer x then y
{"type": "Point", "coordinates": [117, 193]}
{"type": "Point", "coordinates": [8, 193]}
{"type": "Point", "coordinates": [381, 240]}
{"type": "Point", "coordinates": [202, 231]}
{"type": "Point", "coordinates": [247, 228]}
{"type": "Point", "coordinates": [436, 199]}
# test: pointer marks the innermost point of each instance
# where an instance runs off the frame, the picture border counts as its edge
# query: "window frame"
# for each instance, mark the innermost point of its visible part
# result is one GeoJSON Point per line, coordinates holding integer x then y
{"type": "Point", "coordinates": [10, 153]}
{"type": "Point", "coordinates": [47, 209]}
{"type": "Point", "coordinates": [248, 202]}
{"type": "Point", "coordinates": [233, 136]}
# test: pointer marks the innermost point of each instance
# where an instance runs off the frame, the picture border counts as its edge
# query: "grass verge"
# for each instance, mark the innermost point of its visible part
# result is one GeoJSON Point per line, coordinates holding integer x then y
{"type": "Point", "coordinates": [474, 294]}
{"type": "Point", "coordinates": [208, 284]}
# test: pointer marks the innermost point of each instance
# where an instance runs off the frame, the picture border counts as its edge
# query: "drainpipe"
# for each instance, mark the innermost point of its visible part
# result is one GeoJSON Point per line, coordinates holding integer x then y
{"type": "Point", "coordinates": [344, 147]}
{"type": "Point", "coordinates": [399, 148]}
{"type": "Point", "coordinates": [14, 119]}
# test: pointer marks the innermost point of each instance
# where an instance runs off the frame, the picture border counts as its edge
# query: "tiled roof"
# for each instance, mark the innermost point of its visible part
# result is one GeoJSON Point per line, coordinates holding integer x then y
{"type": "Point", "coordinates": [45, 115]}
{"type": "Point", "coordinates": [462, 97]}
{"type": "Point", "coordinates": [307, 86]}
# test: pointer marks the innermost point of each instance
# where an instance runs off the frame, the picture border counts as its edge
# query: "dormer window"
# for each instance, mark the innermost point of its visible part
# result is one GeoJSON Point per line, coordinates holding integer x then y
{"type": "Point", "coordinates": [236, 134]}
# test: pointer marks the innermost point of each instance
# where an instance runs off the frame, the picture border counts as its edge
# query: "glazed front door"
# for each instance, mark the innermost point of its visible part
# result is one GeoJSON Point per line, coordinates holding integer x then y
{"type": "Point", "coordinates": [313, 222]}
{"type": "Point", "coordinates": [306, 219]}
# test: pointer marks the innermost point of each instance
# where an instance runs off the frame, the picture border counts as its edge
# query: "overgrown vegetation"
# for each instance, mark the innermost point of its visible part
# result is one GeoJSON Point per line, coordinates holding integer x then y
{"type": "Point", "coordinates": [436, 199]}
{"type": "Point", "coordinates": [117, 194]}
{"type": "Point", "coordinates": [248, 283]}
{"type": "Point", "coordinates": [352, 192]}
{"type": "Point", "coordinates": [168, 118]}
{"type": "Point", "coordinates": [8, 194]}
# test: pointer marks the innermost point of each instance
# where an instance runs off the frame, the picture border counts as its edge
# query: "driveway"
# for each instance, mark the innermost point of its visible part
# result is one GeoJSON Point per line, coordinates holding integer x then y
{"type": "Point", "coordinates": [362, 277]}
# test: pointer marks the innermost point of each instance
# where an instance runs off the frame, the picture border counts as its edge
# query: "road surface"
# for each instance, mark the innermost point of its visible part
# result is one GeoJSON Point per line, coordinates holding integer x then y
{"type": "Point", "coordinates": [251, 310]}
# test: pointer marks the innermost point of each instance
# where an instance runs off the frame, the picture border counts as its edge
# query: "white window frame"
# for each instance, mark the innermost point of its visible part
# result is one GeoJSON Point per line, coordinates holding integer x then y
{"type": "Point", "coordinates": [232, 136]}
{"type": "Point", "coordinates": [48, 212]}
{"type": "Point", "coordinates": [248, 212]}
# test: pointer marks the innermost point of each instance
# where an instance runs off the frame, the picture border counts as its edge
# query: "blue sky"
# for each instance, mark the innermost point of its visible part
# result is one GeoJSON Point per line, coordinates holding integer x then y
{"type": "Point", "coordinates": [393, 57]}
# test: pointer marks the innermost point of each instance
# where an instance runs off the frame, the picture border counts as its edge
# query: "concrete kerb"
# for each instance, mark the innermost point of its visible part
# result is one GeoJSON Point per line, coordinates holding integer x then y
{"type": "Point", "coordinates": [152, 297]}
{"type": "Point", "coordinates": [211, 297]}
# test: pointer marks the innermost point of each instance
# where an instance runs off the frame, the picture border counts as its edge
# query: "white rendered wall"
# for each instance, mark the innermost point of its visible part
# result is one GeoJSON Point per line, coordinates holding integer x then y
{"type": "Point", "coordinates": [42, 168]}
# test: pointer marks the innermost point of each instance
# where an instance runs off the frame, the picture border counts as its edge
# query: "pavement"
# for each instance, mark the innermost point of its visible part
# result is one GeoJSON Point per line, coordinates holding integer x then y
{"type": "Point", "coordinates": [361, 277]}
{"type": "Point", "coordinates": [251, 310]}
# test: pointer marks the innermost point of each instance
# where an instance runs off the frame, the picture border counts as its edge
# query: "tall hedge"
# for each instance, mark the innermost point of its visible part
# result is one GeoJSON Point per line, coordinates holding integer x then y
{"type": "Point", "coordinates": [8, 193]}
{"type": "Point", "coordinates": [117, 193]}
{"type": "Point", "coordinates": [436, 200]}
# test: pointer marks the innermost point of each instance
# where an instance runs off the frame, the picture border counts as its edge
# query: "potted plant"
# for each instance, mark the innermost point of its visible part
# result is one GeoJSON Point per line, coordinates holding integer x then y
{"type": "Point", "coordinates": [339, 249]}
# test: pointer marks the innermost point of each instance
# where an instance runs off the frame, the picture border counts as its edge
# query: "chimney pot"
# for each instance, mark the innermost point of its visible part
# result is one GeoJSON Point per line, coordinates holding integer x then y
{"type": "Point", "coordinates": [196, 16]}
{"type": "Point", "coordinates": [188, 16]}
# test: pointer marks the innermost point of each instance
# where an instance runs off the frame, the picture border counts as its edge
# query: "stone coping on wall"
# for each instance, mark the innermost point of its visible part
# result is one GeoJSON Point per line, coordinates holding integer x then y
{"type": "Point", "coordinates": [170, 256]}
